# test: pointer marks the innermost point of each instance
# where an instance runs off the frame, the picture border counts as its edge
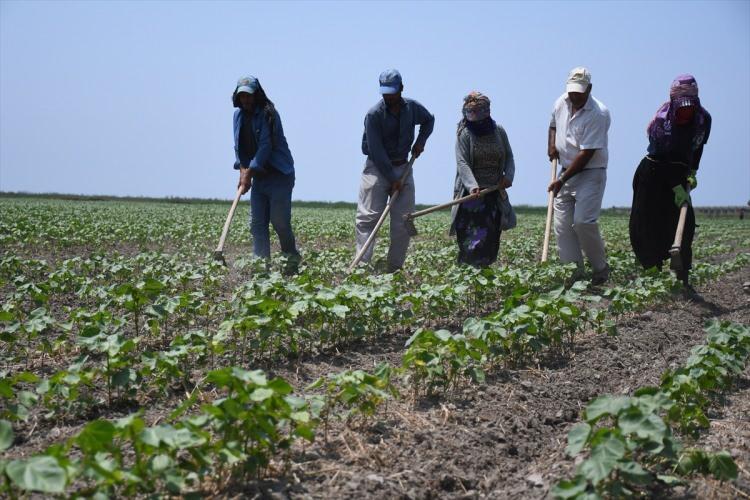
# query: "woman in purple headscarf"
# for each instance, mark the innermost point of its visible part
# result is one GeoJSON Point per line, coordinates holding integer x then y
{"type": "Point", "coordinates": [483, 159]}
{"type": "Point", "coordinates": [661, 183]}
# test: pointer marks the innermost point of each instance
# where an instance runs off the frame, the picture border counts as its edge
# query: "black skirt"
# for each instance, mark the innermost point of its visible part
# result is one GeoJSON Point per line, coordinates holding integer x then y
{"type": "Point", "coordinates": [654, 215]}
{"type": "Point", "coordinates": [478, 230]}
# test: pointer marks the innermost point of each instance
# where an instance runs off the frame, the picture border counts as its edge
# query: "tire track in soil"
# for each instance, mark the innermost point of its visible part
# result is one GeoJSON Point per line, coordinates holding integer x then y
{"type": "Point", "coordinates": [507, 438]}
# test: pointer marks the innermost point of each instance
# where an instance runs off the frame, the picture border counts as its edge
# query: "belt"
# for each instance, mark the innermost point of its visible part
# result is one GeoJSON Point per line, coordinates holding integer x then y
{"type": "Point", "coordinates": [398, 163]}
{"type": "Point", "coordinates": [672, 162]}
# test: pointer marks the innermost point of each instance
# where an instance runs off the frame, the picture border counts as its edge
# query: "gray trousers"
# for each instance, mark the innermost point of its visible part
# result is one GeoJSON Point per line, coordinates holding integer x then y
{"type": "Point", "coordinates": [373, 197]}
{"type": "Point", "coordinates": [577, 208]}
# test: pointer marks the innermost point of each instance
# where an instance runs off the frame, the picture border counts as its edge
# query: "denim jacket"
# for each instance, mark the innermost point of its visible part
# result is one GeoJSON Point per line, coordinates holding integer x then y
{"type": "Point", "coordinates": [272, 151]}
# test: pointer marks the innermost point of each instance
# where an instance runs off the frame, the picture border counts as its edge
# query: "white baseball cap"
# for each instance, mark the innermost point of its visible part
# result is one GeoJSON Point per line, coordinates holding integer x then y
{"type": "Point", "coordinates": [579, 80]}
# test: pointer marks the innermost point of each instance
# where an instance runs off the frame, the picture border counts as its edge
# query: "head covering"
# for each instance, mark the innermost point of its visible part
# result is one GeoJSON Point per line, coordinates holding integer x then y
{"type": "Point", "coordinates": [682, 92]}
{"type": "Point", "coordinates": [390, 81]}
{"type": "Point", "coordinates": [476, 106]}
{"type": "Point", "coordinates": [247, 84]}
{"type": "Point", "coordinates": [476, 115]}
{"type": "Point", "coordinates": [579, 80]}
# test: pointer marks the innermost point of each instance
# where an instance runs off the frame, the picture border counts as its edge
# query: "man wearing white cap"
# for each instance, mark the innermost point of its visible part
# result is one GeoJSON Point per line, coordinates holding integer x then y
{"type": "Point", "coordinates": [578, 138]}
{"type": "Point", "coordinates": [387, 141]}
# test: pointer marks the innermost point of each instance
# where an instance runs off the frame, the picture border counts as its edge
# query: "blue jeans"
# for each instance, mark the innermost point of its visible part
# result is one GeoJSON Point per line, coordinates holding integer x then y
{"type": "Point", "coordinates": [271, 201]}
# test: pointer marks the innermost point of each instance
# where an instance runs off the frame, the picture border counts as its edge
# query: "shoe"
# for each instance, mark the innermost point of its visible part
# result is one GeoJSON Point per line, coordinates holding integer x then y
{"type": "Point", "coordinates": [600, 277]}
{"type": "Point", "coordinates": [577, 275]}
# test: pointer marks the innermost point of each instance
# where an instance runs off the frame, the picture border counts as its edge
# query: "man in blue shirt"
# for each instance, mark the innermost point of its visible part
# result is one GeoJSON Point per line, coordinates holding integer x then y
{"type": "Point", "coordinates": [388, 138]}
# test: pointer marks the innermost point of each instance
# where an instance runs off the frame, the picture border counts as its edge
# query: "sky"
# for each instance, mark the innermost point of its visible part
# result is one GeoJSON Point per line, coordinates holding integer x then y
{"type": "Point", "coordinates": [134, 98]}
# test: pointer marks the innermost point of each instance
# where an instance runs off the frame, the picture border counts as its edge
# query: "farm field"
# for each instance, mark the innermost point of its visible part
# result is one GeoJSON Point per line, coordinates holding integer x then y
{"type": "Point", "coordinates": [134, 365]}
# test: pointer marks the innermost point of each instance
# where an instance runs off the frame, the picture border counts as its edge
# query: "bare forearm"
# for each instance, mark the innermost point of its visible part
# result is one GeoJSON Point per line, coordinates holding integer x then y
{"type": "Point", "coordinates": [579, 163]}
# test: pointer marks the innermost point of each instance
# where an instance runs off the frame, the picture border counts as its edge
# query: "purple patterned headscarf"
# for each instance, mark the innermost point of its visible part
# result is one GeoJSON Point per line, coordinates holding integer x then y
{"type": "Point", "coordinates": [682, 92]}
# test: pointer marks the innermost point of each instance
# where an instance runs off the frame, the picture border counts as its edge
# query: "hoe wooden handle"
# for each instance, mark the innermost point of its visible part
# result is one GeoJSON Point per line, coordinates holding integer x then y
{"type": "Point", "coordinates": [228, 222]}
{"type": "Point", "coordinates": [387, 210]}
{"type": "Point", "coordinates": [453, 202]}
{"type": "Point", "coordinates": [548, 224]}
{"type": "Point", "coordinates": [680, 229]}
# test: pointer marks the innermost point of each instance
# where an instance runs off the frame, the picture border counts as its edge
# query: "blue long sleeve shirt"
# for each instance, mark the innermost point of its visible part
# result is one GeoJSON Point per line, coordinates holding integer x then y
{"type": "Point", "coordinates": [270, 151]}
{"type": "Point", "coordinates": [389, 137]}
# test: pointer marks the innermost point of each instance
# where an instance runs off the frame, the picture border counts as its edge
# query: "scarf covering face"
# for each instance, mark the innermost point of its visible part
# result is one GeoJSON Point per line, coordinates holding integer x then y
{"type": "Point", "coordinates": [476, 111]}
{"type": "Point", "coordinates": [682, 92]}
{"type": "Point", "coordinates": [476, 107]}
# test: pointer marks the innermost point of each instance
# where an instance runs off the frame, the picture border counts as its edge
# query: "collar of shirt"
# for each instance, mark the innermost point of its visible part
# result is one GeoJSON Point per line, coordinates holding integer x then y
{"type": "Point", "coordinates": [386, 111]}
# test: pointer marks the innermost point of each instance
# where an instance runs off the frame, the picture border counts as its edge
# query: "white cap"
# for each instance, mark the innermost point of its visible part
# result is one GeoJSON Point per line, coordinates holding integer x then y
{"type": "Point", "coordinates": [579, 80]}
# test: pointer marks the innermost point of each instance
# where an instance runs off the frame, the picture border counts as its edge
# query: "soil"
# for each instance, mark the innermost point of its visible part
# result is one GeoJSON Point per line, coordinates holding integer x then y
{"type": "Point", "coordinates": [503, 439]}
{"type": "Point", "coordinates": [507, 438]}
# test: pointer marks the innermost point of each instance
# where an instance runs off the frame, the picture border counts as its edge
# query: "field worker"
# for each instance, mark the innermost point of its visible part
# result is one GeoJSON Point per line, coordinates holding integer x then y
{"type": "Point", "coordinates": [578, 138]}
{"type": "Point", "coordinates": [484, 159]}
{"type": "Point", "coordinates": [676, 137]}
{"type": "Point", "coordinates": [265, 163]}
{"type": "Point", "coordinates": [387, 140]}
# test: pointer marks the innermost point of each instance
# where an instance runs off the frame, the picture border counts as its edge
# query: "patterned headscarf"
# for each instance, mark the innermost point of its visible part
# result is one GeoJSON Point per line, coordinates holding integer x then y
{"type": "Point", "coordinates": [682, 92]}
{"type": "Point", "coordinates": [476, 106]}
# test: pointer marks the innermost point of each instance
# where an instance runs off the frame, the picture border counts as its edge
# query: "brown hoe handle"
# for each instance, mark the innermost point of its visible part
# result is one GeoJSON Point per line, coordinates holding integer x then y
{"type": "Point", "coordinates": [387, 210]}
{"type": "Point", "coordinates": [548, 224]}
{"type": "Point", "coordinates": [455, 201]}
{"type": "Point", "coordinates": [680, 229]}
{"type": "Point", "coordinates": [228, 222]}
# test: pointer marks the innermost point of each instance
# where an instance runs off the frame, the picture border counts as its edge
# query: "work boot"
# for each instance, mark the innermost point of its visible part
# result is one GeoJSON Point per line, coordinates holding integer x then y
{"type": "Point", "coordinates": [600, 277]}
{"type": "Point", "coordinates": [577, 275]}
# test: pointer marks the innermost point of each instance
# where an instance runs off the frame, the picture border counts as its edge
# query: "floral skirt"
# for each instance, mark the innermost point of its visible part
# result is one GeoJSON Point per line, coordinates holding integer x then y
{"type": "Point", "coordinates": [478, 230]}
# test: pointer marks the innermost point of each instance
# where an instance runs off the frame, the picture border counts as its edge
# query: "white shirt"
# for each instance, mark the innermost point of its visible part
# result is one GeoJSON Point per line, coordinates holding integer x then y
{"type": "Point", "coordinates": [586, 129]}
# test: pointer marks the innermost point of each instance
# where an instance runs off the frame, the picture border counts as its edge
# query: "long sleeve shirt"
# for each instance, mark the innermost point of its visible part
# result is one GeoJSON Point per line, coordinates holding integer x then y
{"type": "Point", "coordinates": [465, 180]}
{"type": "Point", "coordinates": [268, 151]}
{"type": "Point", "coordinates": [389, 137]}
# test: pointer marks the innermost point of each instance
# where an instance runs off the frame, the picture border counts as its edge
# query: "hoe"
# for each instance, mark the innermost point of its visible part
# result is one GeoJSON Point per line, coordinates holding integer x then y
{"type": "Point", "coordinates": [219, 252]}
{"type": "Point", "coordinates": [409, 218]}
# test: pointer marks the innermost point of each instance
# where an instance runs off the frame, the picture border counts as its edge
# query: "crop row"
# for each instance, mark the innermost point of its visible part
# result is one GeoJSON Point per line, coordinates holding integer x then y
{"type": "Point", "coordinates": [630, 440]}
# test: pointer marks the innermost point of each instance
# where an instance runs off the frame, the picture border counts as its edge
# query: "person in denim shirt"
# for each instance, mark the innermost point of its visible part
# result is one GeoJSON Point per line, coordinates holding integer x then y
{"type": "Point", "coordinates": [263, 158]}
{"type": "Point", "coordinates": [387, 140]}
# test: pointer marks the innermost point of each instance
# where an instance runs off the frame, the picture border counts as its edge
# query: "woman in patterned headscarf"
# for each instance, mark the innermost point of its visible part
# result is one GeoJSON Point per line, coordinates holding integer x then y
{"type": "Point", "coordinates": [676, 137]}
{"type": "Point", "coordinates": [483, 159]}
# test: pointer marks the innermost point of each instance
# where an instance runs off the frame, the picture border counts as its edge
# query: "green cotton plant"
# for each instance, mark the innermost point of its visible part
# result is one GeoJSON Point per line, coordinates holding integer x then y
{"type": "Point", "coordinates": [235, 437]}
{"type": "Point", "coordinates": [630, 439]}
{"type": "Point", "coordinates": [135, 297]}
{"type": "Point", "coordinates": [440, 359]}
{"type": "Point", "coordinates": [17, 402]}
{"type": "Point", "coordinates": [69, 391]}
{"type": "Point", "coordinates": [357, 392]}
{"type": "Point", "coordinates": [709, 369]}
{"type": "Point", "coordinates": [256, 419]}
{"type": "Point", "coordinates": [117, 351]}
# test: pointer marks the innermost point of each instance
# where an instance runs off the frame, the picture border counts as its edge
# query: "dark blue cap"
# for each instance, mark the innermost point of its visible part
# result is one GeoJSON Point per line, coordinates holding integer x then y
{"type": "Point", "coordinates": [247, 84]}
{"type": "Point", "coordinates": [390, 81]}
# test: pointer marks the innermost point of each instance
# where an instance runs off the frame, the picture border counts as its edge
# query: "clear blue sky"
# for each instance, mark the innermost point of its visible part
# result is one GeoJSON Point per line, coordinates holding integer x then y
{"type": "Point", "coordinates": [133, 98]}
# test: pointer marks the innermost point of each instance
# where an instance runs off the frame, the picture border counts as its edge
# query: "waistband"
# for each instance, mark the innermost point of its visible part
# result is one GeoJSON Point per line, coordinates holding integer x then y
{"type": "Point", "coordinates": [678, 163]}
{"type": "Point", "coordinates": [398, 163]}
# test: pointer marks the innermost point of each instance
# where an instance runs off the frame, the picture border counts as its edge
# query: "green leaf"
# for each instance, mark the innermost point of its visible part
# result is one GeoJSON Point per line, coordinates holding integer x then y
{"type": "Point", "coordinates": [605, 405]}
{"type": "Point", "coordinates": [722, 466]}
{"type": "Point", "coordinates": [649, 426]}
{"type": "Point", "coordinates": [6, 435]}
{"type": "Point", "coordinates": [577, 438]}
{"type": "Point", "coordinates": [669, 480]}
{"type": "Point", "coordinates": [603, 458]}
{"type": "Point", "coordinates": [261, 394]}
{"type": "Point", "coordinates": [569, 488]}
{"type": "Point", "coordinates": [40, 473]}
{"type": "Point", "coordinates": [634, 472]}
{"type": "Point", "coordinates": [96, 436]}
